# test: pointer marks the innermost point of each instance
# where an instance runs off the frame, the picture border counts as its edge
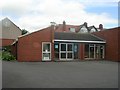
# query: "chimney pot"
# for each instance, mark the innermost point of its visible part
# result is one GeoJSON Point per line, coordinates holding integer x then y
{"type": "Point", "coordinates": [101, 27]}
{"type": "Point", "coordinates": [64, 26]}
{"type": "Point", "coordinates": [53, 25]}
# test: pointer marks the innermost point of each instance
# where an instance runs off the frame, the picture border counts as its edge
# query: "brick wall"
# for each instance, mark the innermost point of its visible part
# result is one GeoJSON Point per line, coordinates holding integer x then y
{"type": "Point", "coordinates": [29, 47]}
{"type": "Point", "coordinates": [6, 42]}
{"type": "Point", "coordinates": [111, 37]}
{"type": "Point", "coordinates": [81, 51]}
{"type": "Point", "coordinates": [118, 44]}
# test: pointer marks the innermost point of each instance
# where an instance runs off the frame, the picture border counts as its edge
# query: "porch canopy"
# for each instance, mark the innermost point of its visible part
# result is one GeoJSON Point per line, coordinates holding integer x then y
{"type": "Point", "coordinates": [77, 37]}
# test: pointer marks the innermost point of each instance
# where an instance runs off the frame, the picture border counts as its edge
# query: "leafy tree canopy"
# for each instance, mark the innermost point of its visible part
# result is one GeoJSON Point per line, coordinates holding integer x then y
{"type": "Point", "coordinates": [24, 31]}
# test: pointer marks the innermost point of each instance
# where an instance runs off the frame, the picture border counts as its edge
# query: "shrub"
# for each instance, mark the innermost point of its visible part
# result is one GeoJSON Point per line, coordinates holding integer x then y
{"type": "Point", "coordinates": [6, 48]}
{"type": "Point", "coordinates": [6, 56]}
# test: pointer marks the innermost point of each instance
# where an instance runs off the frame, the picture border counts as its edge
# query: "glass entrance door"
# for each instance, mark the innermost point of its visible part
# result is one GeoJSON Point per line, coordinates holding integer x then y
{"type": "Point", "coordinates": [46, 51]}
{"type": "Point", "coordinates": [66, 51]}
{"type": "Point", "coordinates": [99, 51]}
{"type": "Point", "coordinates": [94, 51]}
{"type": "Point", "coordinates": [102, 52]}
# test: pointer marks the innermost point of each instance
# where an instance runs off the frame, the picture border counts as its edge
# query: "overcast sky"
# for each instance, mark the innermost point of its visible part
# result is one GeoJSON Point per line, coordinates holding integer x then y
{"type": "Point", "coordinates": [33, 15]}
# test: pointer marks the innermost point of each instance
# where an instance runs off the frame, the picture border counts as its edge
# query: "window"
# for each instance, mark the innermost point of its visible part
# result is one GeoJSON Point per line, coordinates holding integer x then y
{"type": "Point", "coordinates": [72, 29]}
{"type": "Point", "coordinates": [46, 51]}
{"type": "Point", "coordinates": [63, 55]}
{"type": "Point", "coordinates": [75, 49]}
{"type": "Point", "coordinates": [83, 30]}
{"type": "Point", "coordinates": [66, 51]}
{"type": "Point", "coordinates": [56, 49]}
{"type": "Point", "coordinates": [46, 47]}
{"type": "Point", "coordinates": [87, 51]}
{"type": "Point", "coordinates": [69, 47]}
{"type": "Point", "coordinates": [63, 47]}
{"type": "Point", "coordinates": [93, 30]}
{"type": "Point", "coordinates": [95, 51]}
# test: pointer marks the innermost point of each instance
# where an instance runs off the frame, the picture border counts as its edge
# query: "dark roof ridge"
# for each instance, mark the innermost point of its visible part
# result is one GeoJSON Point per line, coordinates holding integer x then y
{"type": "Point", "coordinates": [73, 33]}
{"type": "Point", "coordinates": [71, 25]}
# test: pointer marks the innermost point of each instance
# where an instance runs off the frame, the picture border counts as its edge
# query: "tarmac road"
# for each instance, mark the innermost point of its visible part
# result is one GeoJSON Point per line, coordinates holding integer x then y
{"type": "Point", "coordinates": [87, 74]}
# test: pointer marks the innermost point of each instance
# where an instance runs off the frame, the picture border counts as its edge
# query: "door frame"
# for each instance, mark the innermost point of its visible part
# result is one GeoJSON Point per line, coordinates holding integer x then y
{"type": "Point", "coordinates": [94, 46]}
{"type": "Point", "coordinates": [66, 52]}
{"type": "Point", "coordinates": [103, 52]}
{"type": "Point", "coordinates": [46, 52]}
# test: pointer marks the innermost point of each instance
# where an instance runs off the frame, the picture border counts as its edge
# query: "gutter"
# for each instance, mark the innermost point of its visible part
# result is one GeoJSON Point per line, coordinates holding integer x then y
{"type": "Point", "coordinates": [79, 41]}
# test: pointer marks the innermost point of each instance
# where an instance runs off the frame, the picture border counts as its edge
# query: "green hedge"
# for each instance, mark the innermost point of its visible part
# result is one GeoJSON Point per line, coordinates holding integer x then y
{"type": "Point", "coordinates": [6, 56]}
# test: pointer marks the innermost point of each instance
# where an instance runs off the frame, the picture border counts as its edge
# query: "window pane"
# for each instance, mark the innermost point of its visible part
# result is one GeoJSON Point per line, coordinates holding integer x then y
{"type": "Point", "coordinates": [101, 51]}
{"type": "Point", "coordinates": [46, 47]}
{"type": "Point", "coordinates": [69, 55]}
{"type": "Point", "coordinates": [87, 51]}
{"type": "Point", "coordinates": [91, 52]}
{"type": "Point", "coordinates": [97, 51]}
{"type": "Point", "coordinates": [63, 55]}
{"type": "Point", "coordinates": [69, 47]}
{"type": "Point", "coordinates": [75, 49]}
{"type": "Point", "coordinates": [63, 47]}
{"type": "Point", "coordinates": [46, 56]}
{"type": "Point", "coordinates": [56, 47]}
{"type": "Point", "coordinates": [72, 29]}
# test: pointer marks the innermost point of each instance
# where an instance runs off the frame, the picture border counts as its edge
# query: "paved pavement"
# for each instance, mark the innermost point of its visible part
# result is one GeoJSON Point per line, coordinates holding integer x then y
{"type": "Point", "coordinates": [0, 74]}
{"type": "Point", "coordinates": [87, 74]}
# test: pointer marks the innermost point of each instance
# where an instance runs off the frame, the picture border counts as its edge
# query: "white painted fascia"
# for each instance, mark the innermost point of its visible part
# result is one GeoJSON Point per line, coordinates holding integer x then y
{"type": "Point", "coordinates": [78, 41]}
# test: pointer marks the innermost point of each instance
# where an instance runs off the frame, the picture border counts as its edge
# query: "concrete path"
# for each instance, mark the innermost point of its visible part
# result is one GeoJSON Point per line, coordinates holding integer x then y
{"type": "Point", "coordinates": [0, 74]}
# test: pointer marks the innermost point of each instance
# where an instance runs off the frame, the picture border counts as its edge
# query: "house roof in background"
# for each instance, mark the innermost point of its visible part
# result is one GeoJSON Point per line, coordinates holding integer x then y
{"type": "Point", "coordinates": [90, 27]}
{"type": "Point", "coordinates": [7, 19]}
{"type": "Point", "coordinates": [59, 27]}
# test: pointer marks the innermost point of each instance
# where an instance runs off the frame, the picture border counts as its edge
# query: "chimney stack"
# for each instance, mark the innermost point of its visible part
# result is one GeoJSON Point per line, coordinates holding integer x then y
{"type": "Point", "coordinates": [101, 27]}
{"type": "Point", "coordinates": [53, 25]}
{"type": "Point", "coordinates": [64, 26]}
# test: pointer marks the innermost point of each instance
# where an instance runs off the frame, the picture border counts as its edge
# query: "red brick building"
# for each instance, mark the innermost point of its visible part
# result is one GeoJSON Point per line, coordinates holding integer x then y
{"type": "Point", "coordinates": [51, 45]}
{"type": "Point", "coordinates": [29, 47]}
{"type": "Point", "coordinates": [68, 42]}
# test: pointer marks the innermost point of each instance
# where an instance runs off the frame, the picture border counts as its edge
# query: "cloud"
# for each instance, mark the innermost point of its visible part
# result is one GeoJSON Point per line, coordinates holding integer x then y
{"type": "Point", "coordinates": [15, 7]}
{"type": "Point", "coordinates": [36, 14]}
{"type": "Point", "coordinates": [98, 3]}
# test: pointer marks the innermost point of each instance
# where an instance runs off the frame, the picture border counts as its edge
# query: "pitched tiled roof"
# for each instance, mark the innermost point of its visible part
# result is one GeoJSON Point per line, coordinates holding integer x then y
{"type": "Point", "coordinates": [59, 28]}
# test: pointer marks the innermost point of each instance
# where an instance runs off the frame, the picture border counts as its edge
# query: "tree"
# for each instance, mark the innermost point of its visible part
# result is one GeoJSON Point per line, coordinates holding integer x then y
{"type": "Point", "coordinates": [24, 31]}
